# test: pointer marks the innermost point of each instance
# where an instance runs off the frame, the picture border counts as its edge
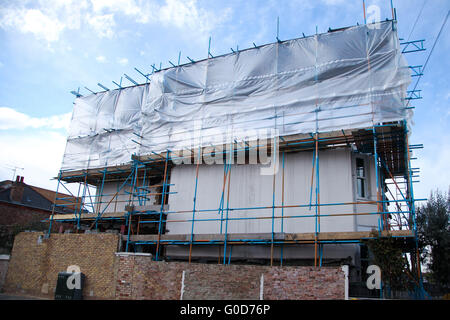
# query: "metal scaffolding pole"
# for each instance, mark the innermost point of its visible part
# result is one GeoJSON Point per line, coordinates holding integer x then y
{"type": "Point", "coordinates": [274, 155]}
{"type": "Point", "coordinates": [282, 208]}
{"type": "Point", "coordinates": [317, 207]}
{"type": "Point", "coordinates": [163, 199]}
{"type": "Point", "coordinates": [195, 201]}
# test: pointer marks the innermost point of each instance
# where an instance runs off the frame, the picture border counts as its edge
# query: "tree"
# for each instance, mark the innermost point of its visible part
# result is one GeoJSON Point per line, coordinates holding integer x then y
{"type": "Point", "coordinates": [433, 231]}
{"type": "Point", "coordinates": [388, 255]}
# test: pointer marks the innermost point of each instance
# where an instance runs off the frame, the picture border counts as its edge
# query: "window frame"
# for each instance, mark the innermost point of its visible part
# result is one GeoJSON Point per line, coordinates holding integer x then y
{"type": "Point", "coordinates": [364, 178]}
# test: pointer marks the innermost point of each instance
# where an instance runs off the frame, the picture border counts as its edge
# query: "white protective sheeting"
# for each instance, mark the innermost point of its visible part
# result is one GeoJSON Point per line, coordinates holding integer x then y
{"type": "Point", "coordinates": [346, 79]}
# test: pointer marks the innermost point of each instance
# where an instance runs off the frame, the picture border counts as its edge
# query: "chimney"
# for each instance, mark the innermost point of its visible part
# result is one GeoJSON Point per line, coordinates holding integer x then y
{"type": "Point", "coordinates": [17, 190]}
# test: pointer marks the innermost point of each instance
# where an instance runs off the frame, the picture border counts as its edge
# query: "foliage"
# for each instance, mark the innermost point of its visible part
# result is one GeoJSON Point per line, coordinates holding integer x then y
{"type": "Point", "coordinates": [433, 231]}
{"type": "Point", "coordinates": [387, 254]}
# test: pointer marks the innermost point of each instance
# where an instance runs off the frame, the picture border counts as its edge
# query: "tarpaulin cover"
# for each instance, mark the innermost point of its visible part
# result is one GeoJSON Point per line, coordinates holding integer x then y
{"type": "Point", "coordinates": [353, 78]}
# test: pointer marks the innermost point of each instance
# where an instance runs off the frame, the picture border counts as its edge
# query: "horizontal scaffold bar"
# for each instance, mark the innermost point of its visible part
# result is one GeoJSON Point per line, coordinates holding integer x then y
{"type": "Point", "coordinates": [295, 142]}
{"type": "Point", "coordinates": [248, 237]}
{"type": "Point", "coordinates": [143, 209]}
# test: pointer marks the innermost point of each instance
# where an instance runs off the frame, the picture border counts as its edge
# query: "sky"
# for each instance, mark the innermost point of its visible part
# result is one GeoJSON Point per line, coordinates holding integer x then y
{"type": "Point", "coordinates": [50, 47]}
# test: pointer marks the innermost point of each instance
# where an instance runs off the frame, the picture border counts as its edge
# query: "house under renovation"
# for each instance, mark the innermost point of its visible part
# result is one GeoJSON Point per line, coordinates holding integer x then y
{"type": "Point", "coordinates": [287, 153]}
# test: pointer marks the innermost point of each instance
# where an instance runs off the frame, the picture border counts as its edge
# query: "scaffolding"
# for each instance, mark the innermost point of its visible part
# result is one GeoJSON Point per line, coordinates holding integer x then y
{"type": "Point", "coordinates": [145, 179]}
{"type": "Point", "coordinates": [388, 143]}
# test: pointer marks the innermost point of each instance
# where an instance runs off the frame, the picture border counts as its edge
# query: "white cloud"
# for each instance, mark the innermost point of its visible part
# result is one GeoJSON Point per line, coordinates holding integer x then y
{"type": "Point", "coordinates": [40, 154]}
{"type": "Point", "coordinates": [178, 13]}
{"type": "Point", "coordinates": [141, 11]}
{"type": "Point", "coordinates": [333, 2]}
{"type": "Point", "coordinates": [122, 61]}
{"type": "Point", "coordinates": [32, 21]}
{"type": "Point", "coordinates": [12, 119]}
{"type": "Point", "coordinates": [38, 147]}
{"type": "Point", "coordinates": [103, 25]}
{"type": "Point", "coordinates": [183, 14]}
{"type": "Point", "coordinates": [48, 19]}
{"type": "Point", "coordinates": [101, 59]}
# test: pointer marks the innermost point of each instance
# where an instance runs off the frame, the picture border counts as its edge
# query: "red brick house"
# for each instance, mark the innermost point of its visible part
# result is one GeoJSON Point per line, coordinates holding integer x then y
{"type": "Point", "coordinates": [26, 207]}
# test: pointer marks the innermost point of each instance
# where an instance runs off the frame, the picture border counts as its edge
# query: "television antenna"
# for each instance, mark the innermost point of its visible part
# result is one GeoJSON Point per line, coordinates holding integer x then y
{"type": "Point", "coordinates": [14, 170]}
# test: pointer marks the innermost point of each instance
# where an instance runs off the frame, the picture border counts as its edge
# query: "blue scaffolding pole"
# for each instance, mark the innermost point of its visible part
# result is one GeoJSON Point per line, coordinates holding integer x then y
{"type": "Point", "coordinates": [274, 156]}
{"type": "Point", "coordinates": [282, 207]}
{"type": "Point", "coordinates": [163, 199]}
{"type": "Point", "coordinates": [199, 157]}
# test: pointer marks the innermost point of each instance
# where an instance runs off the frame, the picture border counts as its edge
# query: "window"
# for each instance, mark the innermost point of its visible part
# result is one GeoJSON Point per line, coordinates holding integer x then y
{"type": "Point", "coordinates": [361, 178]}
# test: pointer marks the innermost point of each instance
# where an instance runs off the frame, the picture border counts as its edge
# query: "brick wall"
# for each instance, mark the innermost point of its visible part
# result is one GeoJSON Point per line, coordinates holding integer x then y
{"type": "Point", "coordinates": [35, 263]}
{"type": "Point", "coordinates": [26, 266]}
{"type": "Point", "coordinates": [15, 218]}
{"type": "Point", "coordinates": [206, 281]}
{"type": "Point", "coordinates": [138, 277]}
{"type": "Point", "coordinates": [4, 262]}
{"type": "Point", "coordinates": [303, 283]}
{"type": "Point", "coordinates": [12, 214]}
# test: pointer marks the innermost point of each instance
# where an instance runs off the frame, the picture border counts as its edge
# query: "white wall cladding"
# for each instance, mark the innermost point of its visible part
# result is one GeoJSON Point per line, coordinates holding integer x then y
{"type": "Point", "coordinates": [251, 189]}
{"type": "Point", "coordinates": [322, 82]}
